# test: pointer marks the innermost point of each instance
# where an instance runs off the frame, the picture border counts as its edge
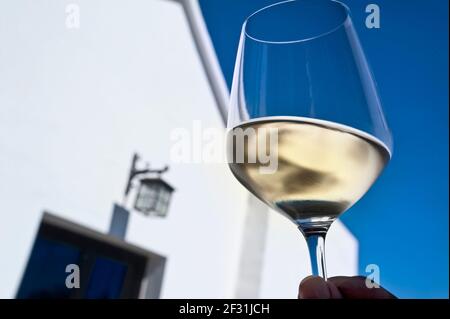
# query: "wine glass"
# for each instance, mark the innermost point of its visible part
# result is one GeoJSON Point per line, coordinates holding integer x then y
{"type": "Point", "coordinates": [306, 131]}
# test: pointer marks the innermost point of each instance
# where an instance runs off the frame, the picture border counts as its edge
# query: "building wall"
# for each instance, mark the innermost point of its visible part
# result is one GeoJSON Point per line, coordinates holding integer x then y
{"type": "Point", "coordinates": [76, 103]}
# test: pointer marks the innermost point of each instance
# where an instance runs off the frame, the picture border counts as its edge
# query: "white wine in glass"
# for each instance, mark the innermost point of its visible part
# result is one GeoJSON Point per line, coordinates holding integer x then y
{"type": "Point", "coordinates": [323, 168]}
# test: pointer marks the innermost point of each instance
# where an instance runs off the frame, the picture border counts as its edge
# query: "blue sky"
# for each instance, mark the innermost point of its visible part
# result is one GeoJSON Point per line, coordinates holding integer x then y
{"type": "Point", "coordinates": [402, 222]}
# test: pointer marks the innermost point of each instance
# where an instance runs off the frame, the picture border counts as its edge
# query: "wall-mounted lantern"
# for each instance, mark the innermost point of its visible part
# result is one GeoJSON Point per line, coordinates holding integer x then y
{"type": "Point", "coordinates": [153, 197]}
{"type": "Point", "coordinates": [154, 194]}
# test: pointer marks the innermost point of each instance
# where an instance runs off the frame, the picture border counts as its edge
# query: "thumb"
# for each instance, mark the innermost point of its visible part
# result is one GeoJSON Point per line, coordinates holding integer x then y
{"type": "Point", "coordinates": [314, 287]}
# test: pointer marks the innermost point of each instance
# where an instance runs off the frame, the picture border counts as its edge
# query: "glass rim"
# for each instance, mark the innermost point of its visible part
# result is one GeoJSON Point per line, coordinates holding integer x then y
{"type": "Point", "coordinates": [306, 39]}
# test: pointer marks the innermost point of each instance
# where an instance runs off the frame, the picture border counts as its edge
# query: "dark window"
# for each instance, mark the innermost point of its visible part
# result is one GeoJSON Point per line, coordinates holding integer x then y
{"type": "Point", "coordinates": [107, 271]}
{"type": "Point", "coordinates": [106, 279]}
{"type": "Point", "coordinates": [45, 276]}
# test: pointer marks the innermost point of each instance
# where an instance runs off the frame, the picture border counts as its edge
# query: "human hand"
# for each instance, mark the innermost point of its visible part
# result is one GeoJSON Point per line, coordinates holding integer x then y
{"type": "Point", "coordinates": [340, 287]}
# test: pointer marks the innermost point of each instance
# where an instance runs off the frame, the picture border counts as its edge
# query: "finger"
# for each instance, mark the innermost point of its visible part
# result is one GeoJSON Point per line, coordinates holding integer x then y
{"type": "Point", "coordinates": [314, 287]}
{"type": "Point", "coordinates": [334, 291]}
{"type": "Point", "coordinates": [356, 288]}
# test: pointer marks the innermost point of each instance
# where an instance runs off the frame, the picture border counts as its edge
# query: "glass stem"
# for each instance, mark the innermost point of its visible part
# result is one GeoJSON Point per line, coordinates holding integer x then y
{"type": "Point", "coordinates": [316, 247]}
